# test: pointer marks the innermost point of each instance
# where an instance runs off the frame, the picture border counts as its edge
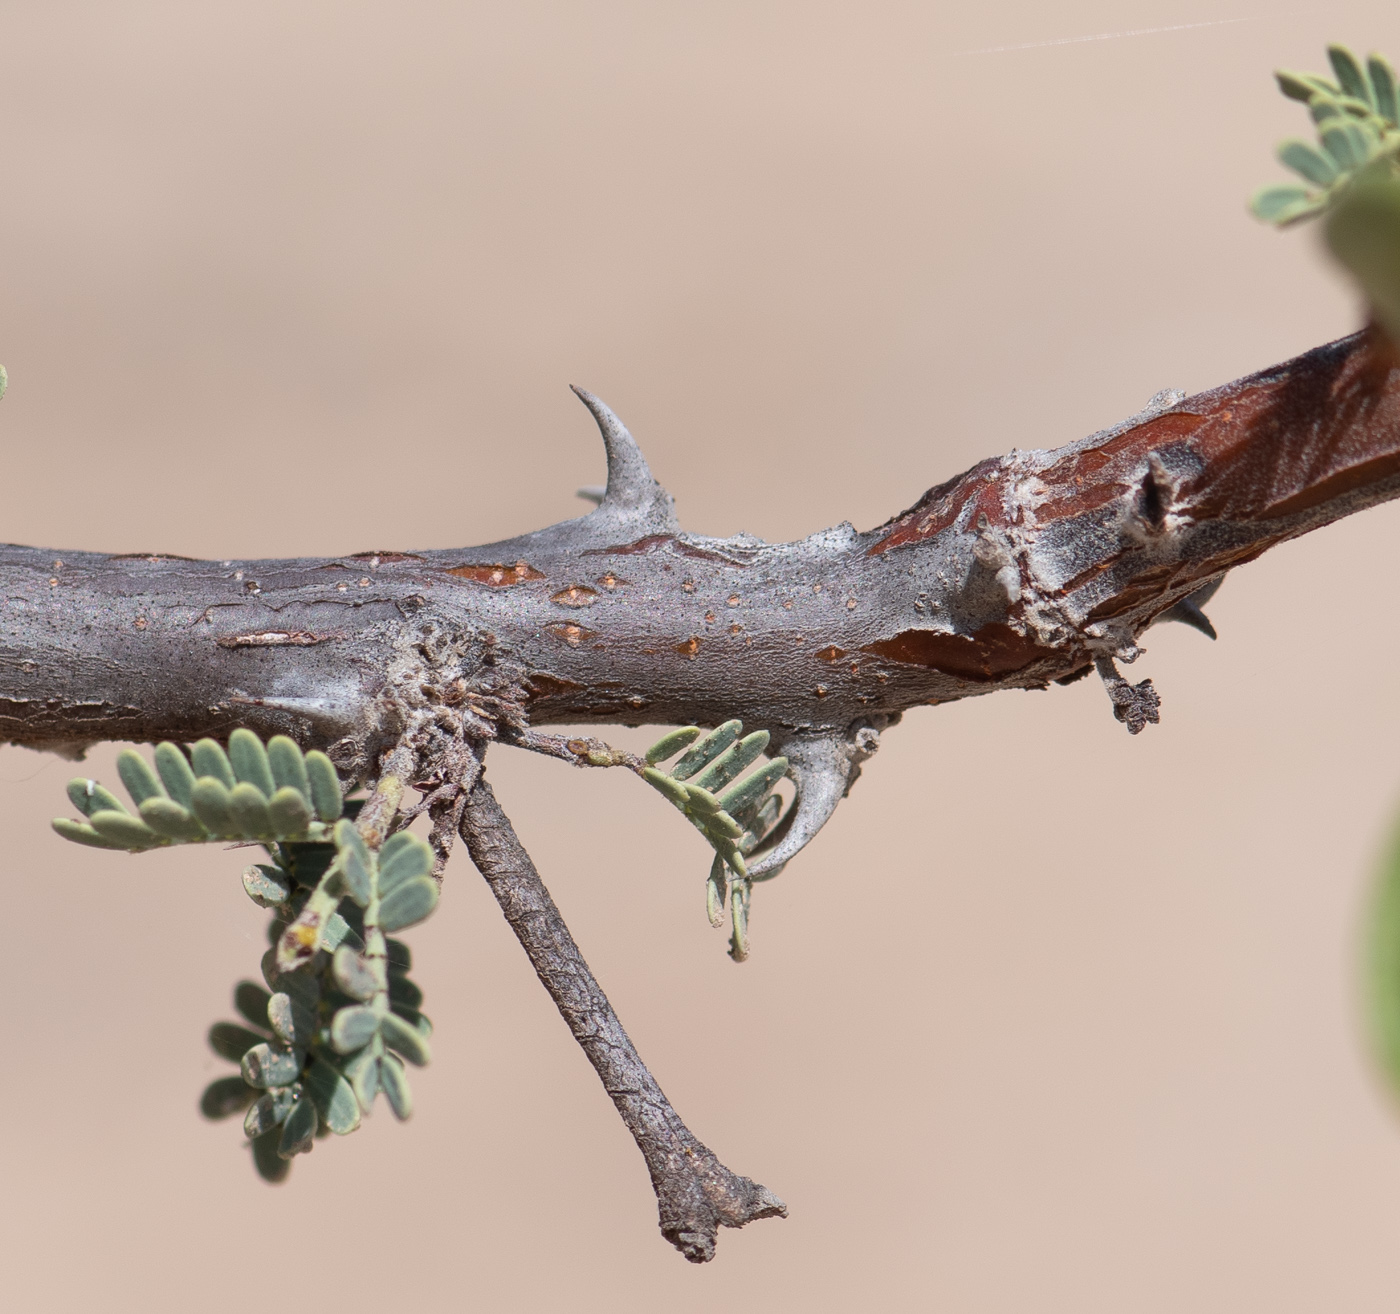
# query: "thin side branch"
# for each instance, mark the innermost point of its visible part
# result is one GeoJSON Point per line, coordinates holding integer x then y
{"type": "Point", "coordinates": [696, 1195]}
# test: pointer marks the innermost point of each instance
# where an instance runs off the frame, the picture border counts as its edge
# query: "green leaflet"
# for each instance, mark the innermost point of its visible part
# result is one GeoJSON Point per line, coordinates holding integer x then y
{"type": "Point", "coordinates": [1285, 203]}
{"type": "Point", "coordinates": [405, 1039]}
{"type": "Point", "coordinates": [1304, 158]}
{"type": "Point", "coordinates": [409, 903]}
{"type": "Point", "coordinates": [266, 1065]}
{"type": "Point", "coordinates": [124, 830]}
{"type": "Point", "coordinates": [1349, 75]}
{"type": "Point", "coordinates": [710, 747]}
{"type": "Point", "coordinates": [248, 807]}
{"type": "Point", "coordinates": [89, 797]}
{"type": "Point", "coordinates": [268, 887]}
{"type": "Point", "coordinates": [325, 787]}
{"type": "Point", "coordinates": [1356, 120]}
{"type": "Point", "coordinates": [270, 1111]}
{"type": "Point", "coordinates": [175, 773]}
{"type": "Point", "coordinates": [294, 1024]}
{"type": "Point", "coordinates": [289, 813]}
{"type": "Point", "coordinates": [299, 1128]}
{"type": "Point", "coordinates": [140, 781]}
{"type": "Point", "coordinates": [394, 1082]}
{"type": "Point", "coordinates": [211, 803]}
{"type": "Point", "coordinates": [248, 758]}
{"type": "Point", "coordinates": [354, 975]}
{"type": "Point", "coordinates": [356, 863]}
{"type": "Point", "coordinates": [210, 760]}
{"type": "Point", "coordinates": [168, 818]}
{"type": "Point", "coordinates": [81, 834]}
{"type": "Point", "coordinates": [403, 857]}
{"type": "Point", "coordinates": [1382, 79]}
{"type": "Point", "coordinates": [287, 765]}
{"type": "Point", "coordinates": [731, 762]}
{"type": "Point", "coordinates": [670, 745]}
{"type": "Point", "coordinates": [362, 1072]}
{"type": "Point", "coordinates": [403, 991]}
{"type": "Point", "coordinates": [333, 1096]}
{"type": "Point", "coordinates": [353, 1027]}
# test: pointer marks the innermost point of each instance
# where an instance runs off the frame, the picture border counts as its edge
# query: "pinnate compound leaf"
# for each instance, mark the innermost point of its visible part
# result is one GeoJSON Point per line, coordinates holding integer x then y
{"type": "Point", "coordinates": [410, 903]}
{"type": "Point", "coordinates": [356, 862]}
{"type": "Point", "coordinates": [400, 956]}
{"type": "Point", "coordinates": [405, 1039]}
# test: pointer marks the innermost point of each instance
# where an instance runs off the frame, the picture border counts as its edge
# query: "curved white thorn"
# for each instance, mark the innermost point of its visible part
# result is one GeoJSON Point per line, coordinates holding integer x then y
{"type": "Point", "coordinates": [632, 493]}
{"type": "Point", "coordinates": [823, 767]}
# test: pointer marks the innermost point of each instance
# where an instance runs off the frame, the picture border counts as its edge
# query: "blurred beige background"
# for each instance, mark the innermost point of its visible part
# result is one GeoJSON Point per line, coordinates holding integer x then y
{"type": "Point", "coordinates": [1049, 1018]}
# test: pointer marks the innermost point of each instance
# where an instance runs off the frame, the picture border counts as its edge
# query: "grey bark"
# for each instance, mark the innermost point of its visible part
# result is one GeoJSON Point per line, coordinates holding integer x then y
{"type": "Point", "coordinates": [695, 1193]}
{"type": "Point", "coordinates": [1029, 569]}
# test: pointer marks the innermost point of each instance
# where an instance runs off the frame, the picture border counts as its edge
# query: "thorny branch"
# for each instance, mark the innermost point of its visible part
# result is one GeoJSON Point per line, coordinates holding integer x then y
{"type": "Point", "coordinates": [696, 1195]}
{"type": "Point", "coordinates": [1034, 568]}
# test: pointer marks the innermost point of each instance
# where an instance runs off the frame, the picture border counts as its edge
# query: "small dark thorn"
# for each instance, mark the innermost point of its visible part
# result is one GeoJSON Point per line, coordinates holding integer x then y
{"type": "Point", "coordinates": [1188, 613]}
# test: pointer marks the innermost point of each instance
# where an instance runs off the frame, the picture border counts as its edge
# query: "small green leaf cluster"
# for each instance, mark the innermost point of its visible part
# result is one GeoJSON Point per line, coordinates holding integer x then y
{"type": "Point", "coordinates": [342, 1018]}
{"type": "Point", "coordinates": [292, 1085]}
{"type": "Point", "coordinates": [339, 1016]}
{"type": "Point", "coordinates": [248, 793]}
{"type": "Point", "coordinates": [1357, 118]}
{"type": "Point", "coordinates": [733, 814]}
